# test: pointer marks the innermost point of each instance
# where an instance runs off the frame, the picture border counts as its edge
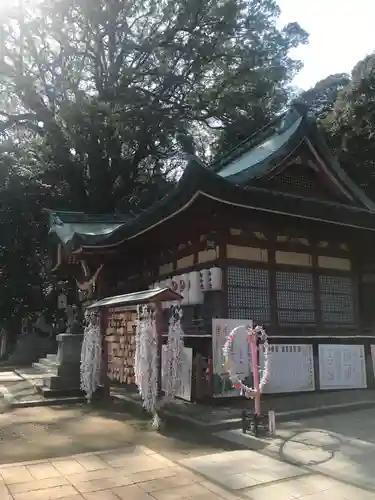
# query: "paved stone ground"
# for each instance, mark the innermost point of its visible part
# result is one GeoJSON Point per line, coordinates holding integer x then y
{"type": "Point", "coordinates": [336, 454]}
{"type": "Point", "coordinates": [129, 473]}
{"type": "Point", "coordinates": [44, 432]}
{"type": "Point", "coordinates": [322, 458]}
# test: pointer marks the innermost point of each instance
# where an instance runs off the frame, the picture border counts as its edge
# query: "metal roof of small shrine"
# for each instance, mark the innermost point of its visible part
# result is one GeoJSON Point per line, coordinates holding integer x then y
{"type": "Point", "coordinates": [73, 229]}
{"type": "Point", "coordinates": [230, 181]}
{"type": "Point", "coordinates": [143, 297]}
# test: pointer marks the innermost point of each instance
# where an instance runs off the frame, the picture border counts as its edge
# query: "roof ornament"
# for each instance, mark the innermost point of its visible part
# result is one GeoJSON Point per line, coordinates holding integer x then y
{"type": "Point", "coordinates": [297, 110]}
{"type": "Point", "coordinates": [301, 107]}
{"type": "Point", "coordinates": [56, 221]}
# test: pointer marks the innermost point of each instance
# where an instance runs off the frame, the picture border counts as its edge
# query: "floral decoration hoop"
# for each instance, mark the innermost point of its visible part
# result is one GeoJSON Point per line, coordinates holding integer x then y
{"type": "Point", "coordinates": [257, 332]}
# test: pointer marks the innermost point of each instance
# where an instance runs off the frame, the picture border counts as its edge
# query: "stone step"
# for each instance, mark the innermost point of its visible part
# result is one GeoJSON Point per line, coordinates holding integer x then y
{"type": "Point", "coordinates": [60, 393]}
{"type": "Point", "coordinates": [42, 401]}
{"type": "Point", "coordinates": [30, 393]}
{"type": "Point", "coordinates": [48, 363]}
{"type": "Point", "coordinates": [48, 370]}
{"type": "Point", "coordinates": [52, 357]}
{"type": "Point", "coordinates": [29, 373]}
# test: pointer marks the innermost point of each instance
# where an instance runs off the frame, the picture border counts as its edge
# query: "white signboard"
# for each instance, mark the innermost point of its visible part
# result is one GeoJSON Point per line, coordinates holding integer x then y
{"type": "Point", "coordinates": [342, 366]}
{"type": "Point", "coordinates": [186, 372]}
{"type": "Point", "coordinates": [221, 328]}
{"type": "Point", "coordinates": [291, 368]}
{"type": "Point", "coordinates": [373, 357]}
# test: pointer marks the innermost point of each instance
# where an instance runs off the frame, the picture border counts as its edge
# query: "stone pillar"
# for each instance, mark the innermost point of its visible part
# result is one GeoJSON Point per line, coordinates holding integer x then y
{"type": "Point", "coordinates": [69, 349]}
{"type": "Point", "coordinates": [68, 363]}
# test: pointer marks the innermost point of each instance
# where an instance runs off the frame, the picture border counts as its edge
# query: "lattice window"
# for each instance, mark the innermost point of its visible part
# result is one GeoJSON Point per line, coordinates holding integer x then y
{"type": "Point", "coordinates": [337, 300]}
{"type": "Point", "coordinates": [295, 180]}
{"type": "Point", "coordinates": [248, 294]}
{"type": "Point", "coordinates": [295, 298]}
{"type": "Point", "coordinates": [301, 179]}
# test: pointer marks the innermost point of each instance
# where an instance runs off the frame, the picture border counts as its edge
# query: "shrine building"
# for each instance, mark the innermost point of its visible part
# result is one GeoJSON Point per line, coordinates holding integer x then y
{"type": "Point", "coordinates": [273, 232]}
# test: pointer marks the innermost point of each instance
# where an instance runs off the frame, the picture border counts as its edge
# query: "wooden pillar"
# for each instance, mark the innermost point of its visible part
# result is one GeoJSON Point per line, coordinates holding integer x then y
{"type": "Point", "coordinates": [223, 238]}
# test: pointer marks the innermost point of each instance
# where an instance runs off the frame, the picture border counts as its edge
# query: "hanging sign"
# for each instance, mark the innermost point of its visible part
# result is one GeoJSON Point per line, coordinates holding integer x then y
{"type": "Point", "coordinates": [62, 301]}
{"type": "Point", "coordinates": [292, 368]}
{"type": "Point", "coordinates": [342, 366]}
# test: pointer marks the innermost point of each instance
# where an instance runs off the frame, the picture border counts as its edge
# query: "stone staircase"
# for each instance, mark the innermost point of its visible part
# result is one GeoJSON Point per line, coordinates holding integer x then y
{"type": "Point", "coordinates": [24, 388]}
{"type": "Point", "coordinates": [53, 379]}
{"type": "Point", "coordinates": [49, 369]}
{"type": "Point", "coordinates": [47, 365]}
{"type": "Point", "coordinates": [29, 348]}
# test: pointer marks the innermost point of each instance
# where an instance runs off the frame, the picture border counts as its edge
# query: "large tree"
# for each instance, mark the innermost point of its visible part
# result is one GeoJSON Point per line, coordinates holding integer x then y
{"type": "Point", "coordinates": [322, 97]}
{"type": "Point", "coordinates": [120, 90]}
{"type": "Point", "coordinates": [99, 101]}
{"type": "Point", "coordinates": [22, 234]}
{"type": "Point", "coordinates": [351, 125]}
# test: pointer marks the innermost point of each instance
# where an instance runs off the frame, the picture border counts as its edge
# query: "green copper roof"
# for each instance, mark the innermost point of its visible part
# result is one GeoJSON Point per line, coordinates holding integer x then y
{"type": "Point", "coordinates": [73, 229]}
{"type": "Point", "coordinates": [267, 149]}
{"type": "Point", "coordinates": [229, 180]}
{"type": "Point", "coordinates": [253, 161]}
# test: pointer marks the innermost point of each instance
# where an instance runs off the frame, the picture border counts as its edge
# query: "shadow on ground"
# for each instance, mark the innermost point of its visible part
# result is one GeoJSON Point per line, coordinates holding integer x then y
{"type": "Point", "coordinates": [45, 432]}
{"type": "Point", "coordinates": [340, 447]}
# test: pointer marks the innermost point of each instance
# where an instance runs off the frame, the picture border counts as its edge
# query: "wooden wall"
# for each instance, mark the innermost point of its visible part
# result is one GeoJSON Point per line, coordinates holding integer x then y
{"type": "Point", "coordinates": [321, 256]}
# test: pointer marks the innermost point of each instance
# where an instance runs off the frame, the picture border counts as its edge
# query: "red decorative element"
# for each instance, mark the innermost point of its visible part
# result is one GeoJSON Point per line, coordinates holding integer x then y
{"type": "Point", "coordinates": [237, 386]}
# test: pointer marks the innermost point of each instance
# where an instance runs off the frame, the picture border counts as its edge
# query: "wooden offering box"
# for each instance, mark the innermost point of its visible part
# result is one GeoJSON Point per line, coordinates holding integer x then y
{"type": "Point", "coordinates": [120, 338]}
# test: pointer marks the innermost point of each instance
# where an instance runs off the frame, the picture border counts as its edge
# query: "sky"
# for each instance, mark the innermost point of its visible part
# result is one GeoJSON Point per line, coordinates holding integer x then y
{"type": "Point", "coordinates": [341, 34]}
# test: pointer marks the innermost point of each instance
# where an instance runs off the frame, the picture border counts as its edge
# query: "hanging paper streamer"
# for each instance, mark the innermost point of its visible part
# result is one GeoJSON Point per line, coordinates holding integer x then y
{"type": "Point", "coordinates": [146, 365]}
{"type": "Point", "coordinates": [175, 346]}
{"type": "Point", "coordinates": [146, 360]}
{"type": "Point", "coordinates": [91, 354]}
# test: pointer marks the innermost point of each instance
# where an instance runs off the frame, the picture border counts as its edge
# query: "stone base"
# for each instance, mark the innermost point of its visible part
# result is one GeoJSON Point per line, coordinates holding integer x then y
{"type": "Point", "coordinates": [66, 376]}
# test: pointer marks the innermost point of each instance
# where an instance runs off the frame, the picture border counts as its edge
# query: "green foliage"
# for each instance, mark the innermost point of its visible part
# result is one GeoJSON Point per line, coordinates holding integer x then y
{"type": "Point", "coordinates": [101, 100]}
{"type": "Point", "coordinates": [322, 97]}
{"type": "Point", "coordinates": [350, 126]}
{"type": "Point", "coordinates": [22, 236]}
{"type": "Point", "coordinates": [116, 86]}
